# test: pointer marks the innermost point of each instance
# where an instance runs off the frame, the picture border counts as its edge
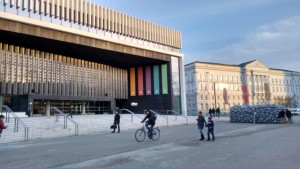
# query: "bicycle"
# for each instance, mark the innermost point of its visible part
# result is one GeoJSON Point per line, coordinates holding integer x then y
{"type": "Point", "coordinates": [140, 134]}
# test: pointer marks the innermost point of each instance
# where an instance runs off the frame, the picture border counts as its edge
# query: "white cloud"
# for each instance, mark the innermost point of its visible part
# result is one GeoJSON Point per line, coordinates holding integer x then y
{"type": "Point", "coordinates": [277, 45]}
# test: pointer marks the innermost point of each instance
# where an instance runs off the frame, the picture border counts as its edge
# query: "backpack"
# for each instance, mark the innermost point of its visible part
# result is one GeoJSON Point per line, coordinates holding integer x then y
{"type": "Point", "coordinates": [153, 117]}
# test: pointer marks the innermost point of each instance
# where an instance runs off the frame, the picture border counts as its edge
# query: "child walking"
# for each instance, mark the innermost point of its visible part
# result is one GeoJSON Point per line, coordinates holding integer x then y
{"type": "Point", "coordinates": [210, 130]}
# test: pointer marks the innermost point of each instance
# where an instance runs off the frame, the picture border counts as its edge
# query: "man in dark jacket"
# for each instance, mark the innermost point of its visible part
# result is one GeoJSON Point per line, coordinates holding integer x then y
{"type": "Point", "coordinates": [289, 115]}
{"type": "Point", "coordinates": [210, 112]}
{"type": "Point", "coordinates": [281, 116]}
{"type": "Point", "coordinates": [201, 122]}
{"type": "Point", "coordinates": [218, 112]}
{"type": "Point", "coordinates": [150, 123]}
{"type": "Point", "coordinates": [213, 111]}
{"type": "Point", "coordinates": [117, 122]}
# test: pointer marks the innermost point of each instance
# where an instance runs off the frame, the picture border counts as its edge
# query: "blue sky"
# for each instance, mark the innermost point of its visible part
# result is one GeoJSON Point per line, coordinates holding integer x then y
{"type": "Point", "coordinates": [227, 31]}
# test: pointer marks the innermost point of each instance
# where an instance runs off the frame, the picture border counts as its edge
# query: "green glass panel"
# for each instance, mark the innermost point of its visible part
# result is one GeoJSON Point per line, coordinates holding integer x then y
{"type": "Point", "coordinates": [156, 79]}
{"type": "Point", "coordinates": [164, 76]}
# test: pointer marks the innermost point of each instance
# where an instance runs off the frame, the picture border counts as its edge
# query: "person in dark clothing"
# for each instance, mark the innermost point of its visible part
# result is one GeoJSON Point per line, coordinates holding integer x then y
{"type": "Point", "coordinates": [281, 116]}
{"type": "Point", "coordinates": [218, 112]}
{"type": "Point", "coordinates": [117, 122]}
{"type": "Point", "coordinates": [209, 112]}
{"type": "Point", "coordinates": [162, 111]}
{"type": "Point", "coordinates": [201, 122]}
{"type": "Point", "coordinates": [2, 126]}
{"type": "Point", "coordinates": [289, 115]}
{"type": "Point", "coordinates": [150, 123]}
{"type": "Point", "coordinates": [213, 111]}
{"type": "Point", "coordinates": [210, 126]}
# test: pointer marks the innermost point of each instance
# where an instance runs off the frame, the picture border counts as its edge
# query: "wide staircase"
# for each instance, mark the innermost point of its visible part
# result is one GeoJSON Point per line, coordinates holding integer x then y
{"type": "Point", "coordinates": [55, 126]}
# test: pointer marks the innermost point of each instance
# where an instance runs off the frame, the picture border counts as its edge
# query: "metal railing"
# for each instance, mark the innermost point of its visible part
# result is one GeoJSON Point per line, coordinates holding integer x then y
{"type": "Point", "coordinates": [66, 118]}
{"type": "Point", "coordinates": [132, 113]}
{"type": "Point", "coordinates": [176, 114]}
{"type": "Point", "coordinates": [17, 121]}
{"type": "Point", "coordinates": [167, 119]}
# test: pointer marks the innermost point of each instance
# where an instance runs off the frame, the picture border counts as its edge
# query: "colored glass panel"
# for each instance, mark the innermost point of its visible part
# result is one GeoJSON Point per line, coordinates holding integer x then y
{"type": "Point", "coordinates": [164, 76]}
{"type": "Point", "coordinates": [140, 81]}
{"type": "Point", "coordinates": [132, 82]}
{"type": "Point", "coordinates": [148, 81]}
{"type": "Point", "coordinates": [245, 94]}
{"type": "Point", "coordinates": [156, 80]}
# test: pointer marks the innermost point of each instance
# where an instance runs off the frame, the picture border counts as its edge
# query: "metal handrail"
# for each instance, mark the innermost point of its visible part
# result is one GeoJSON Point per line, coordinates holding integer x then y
{"type": "Point", "coordinates": [66, 118]}
{"type": "Point", "coordinates": [167, 119]}
{"type": "Point", "coordinates": [177, 114]}
{"type": "Point", "coordinates": [132, 113]}
{"type": "Point", "coordinates": [17, 121]}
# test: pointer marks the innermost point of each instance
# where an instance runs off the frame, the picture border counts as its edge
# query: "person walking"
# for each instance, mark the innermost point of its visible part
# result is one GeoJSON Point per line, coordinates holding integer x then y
{"type": "Point", "coordinates": [218, 112]}
{"type": "Point", "coordinates": [281, 116]}
{"type": "Point", "coordinates": [289, 115]}
{"type": "Point", "coordinates": [117, 121]}
{"type": "Point", "coordinates": [201, 122]}
{"type": "Point", "coordinates": [209, 112]}
{"type": "Point", "coordinates": [210, 131]}
{"type": "Point", "coordinates": [2, 126]}
{"type": "Point", "coordinates": [213, 112]}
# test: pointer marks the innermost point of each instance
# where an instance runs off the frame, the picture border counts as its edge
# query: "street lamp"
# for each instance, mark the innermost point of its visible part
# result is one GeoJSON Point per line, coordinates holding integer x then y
{"type": "Point", "coordinates": [30, 109]}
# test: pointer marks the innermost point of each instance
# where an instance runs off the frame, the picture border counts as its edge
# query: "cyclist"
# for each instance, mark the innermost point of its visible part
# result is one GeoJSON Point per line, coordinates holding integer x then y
{"type": "Point", "coordinates": [150, 123]}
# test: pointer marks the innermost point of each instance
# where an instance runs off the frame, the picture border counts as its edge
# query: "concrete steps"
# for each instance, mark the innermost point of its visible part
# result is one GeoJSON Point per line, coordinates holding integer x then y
{"type": "Point", "coordinates": [47, 127]}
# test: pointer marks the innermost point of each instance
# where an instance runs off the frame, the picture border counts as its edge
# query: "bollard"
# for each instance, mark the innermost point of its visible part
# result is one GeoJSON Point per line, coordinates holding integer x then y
{"type": "Point", "coordinates": [254, 117]}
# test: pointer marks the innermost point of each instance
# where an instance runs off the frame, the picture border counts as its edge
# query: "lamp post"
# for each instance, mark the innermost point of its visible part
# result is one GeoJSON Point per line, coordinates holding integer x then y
{"type": "Point", "coordinates": [30, 109]}
{"type": "Point", "coordinates": [215, 97]}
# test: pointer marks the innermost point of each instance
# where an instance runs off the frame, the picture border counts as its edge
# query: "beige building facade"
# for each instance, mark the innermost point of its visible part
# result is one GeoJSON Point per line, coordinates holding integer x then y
{"type": "Point", "coordinates": [212, 85]}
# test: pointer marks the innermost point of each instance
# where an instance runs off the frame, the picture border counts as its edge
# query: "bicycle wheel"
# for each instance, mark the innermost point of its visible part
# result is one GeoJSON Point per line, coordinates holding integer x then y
{"type": "Point", "coordinates": [140, 135]}
{"type": "Point", "coordinates": [156, 134]}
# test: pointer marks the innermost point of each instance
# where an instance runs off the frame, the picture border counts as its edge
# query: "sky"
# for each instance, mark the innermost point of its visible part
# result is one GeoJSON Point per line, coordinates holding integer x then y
{"type": "Point", "coordinates": [226, 31]}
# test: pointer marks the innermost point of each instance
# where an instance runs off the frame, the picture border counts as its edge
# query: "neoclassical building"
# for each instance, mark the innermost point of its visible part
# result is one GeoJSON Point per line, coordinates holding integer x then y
{"type": "Point", "coordinates": [81, 56]}
{"type": "Point", "coordinates": [211, 85]}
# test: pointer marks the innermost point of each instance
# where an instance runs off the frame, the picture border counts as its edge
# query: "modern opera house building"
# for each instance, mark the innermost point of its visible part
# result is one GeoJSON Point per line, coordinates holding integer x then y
{"type": "Point", "coordinates": [83, 57]}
